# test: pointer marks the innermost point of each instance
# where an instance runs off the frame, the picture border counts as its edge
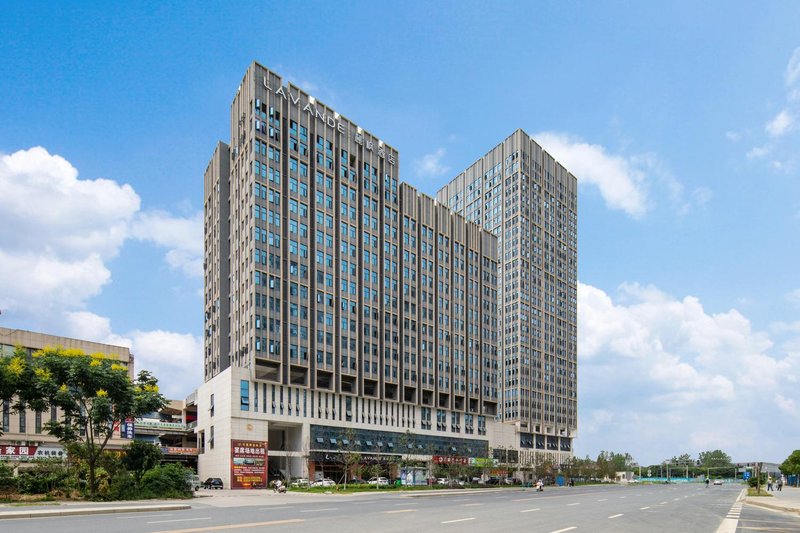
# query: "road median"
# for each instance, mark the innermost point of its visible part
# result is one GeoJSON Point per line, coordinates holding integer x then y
{"type": "Point", "coordinates": [44, 513]}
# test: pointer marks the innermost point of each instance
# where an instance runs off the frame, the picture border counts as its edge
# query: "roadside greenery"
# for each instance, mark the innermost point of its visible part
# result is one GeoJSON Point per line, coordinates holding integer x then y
{"type": "Point", "coordinates": [94, 395]}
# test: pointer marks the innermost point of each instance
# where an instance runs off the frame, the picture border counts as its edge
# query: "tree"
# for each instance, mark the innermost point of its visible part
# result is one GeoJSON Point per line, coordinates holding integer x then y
{"type": "Point", "coordinates": [14, 371]}
{"type": "Point", "coordinates": [715, 459]}
{"type": "Point", "coordinates": [349, 452]}
{"type": "Point", "coordinates": [94, 394]}
{"type": "Point", "coordinates": [141, 456]}
{"type": "Point", "coordinates": [791, 465]}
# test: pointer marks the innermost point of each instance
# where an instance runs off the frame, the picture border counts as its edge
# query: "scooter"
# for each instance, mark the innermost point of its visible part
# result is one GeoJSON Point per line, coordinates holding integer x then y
{"type": "Point", "coordinates": [279, 487]}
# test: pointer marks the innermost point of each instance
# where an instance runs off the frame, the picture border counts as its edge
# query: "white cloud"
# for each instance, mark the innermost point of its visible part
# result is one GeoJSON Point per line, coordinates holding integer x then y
{"type": "Point", "coordinates": [794, 297]}
{"type": "Point", "coordinates": [733, 136]}
{"type": "Point", "coordinates": [757, 152]}
{"type": "Point", "coordinates": [667, 369]}
{"type": "Point", "coordinates": [182, 236]}
{"type": "Point", "coordinates": [59, 231]}
{"type": "Point", "coordinates": [780, 125]}
{"type": "Point", "coordinates": [620, 180]}
{"type": "Point", "coordinates": [174, 358]}
{"type": "Point", "coordinates": [793, 68]}
{"type": "Point", "coordinates": [430, 165]}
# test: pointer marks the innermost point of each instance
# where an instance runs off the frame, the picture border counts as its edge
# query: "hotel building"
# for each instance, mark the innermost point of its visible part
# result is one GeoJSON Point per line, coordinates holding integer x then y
{"type": "Point", "coordinates": [518, 192]}
{"type": "Point", "coordinates": [344, 311]}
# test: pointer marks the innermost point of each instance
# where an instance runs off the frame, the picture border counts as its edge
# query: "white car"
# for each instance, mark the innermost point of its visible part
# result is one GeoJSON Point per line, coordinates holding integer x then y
{"type": "Point", "coordinates": [327, 482]}
{"type": "Point", "coordinates": [717, 482]}
{"type": "Point", "coordinates": [380, 481]}
{"type": "Point", "coordinates": [300, 482]}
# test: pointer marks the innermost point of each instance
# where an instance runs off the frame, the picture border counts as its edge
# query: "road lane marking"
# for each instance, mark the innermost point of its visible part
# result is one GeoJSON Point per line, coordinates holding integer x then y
{"type": "Point", "coordinates": [401, 511]}
{"type": "Point", "coordinates": [603, 500]}
{"type": "Point", "coordinates": [616, 515]}
{"type": "Point", "coordinates": [280, 507]}
{"type": "Point", "coordinates": [180, 520]}
{"type": "Point", "coordinates": [145, 516]}
{"type": "Point", "coordinates": [471, 504]}
{"type": "Point", "coordinates": [524, 500]}
{"type": "Point", "coordinates": [643, 508]}
{"type": "Point", "coordinates": [407, 503]}
{"type": "Point", "coordinates": [663, 503]}
{"type": "Point", "coordinates": [675, 499]}
{"type": "Point", "coordinates": [236, 526]}
{"type": "Point", "coordinates": [622, 497]}
{"type": "Point", "coordinates": [565, 529]}
{"type": "Point", "coordinates": [320, 510]}
{"type": "Point", "coordinates": [571, 504]}
{"type": "Point", "coordinates": [529, 510]}
{"type": "Point", "coordinates": [458, 520]}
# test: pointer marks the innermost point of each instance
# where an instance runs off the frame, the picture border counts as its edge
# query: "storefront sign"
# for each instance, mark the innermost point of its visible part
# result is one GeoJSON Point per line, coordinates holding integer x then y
{"type": "Point", "coordinates": [18, 451]}
{"type": "Point", "coordinates": [450, 460]}
{"type": "Point", "coordinates": [174, 450]}
{"type": "Point", "coordinates": [127, 431]}
{"type": "Point", "coordinates": [248, 464]}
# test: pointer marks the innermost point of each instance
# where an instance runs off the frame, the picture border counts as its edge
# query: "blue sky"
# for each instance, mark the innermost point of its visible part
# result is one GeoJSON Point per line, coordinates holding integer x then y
{"type": "Point", "coordinates": [682, 124]}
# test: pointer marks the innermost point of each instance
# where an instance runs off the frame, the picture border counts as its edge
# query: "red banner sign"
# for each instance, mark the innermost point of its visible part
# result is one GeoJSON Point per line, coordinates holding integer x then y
{"type": "Point", "coordinates": [248, 464]}
{"type": "Point", "coordinates": [18, 451]}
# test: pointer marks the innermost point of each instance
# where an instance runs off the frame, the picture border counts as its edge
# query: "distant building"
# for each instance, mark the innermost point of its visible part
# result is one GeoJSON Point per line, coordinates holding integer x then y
{"type": "Point", "coordinates": [24, 437]}
{"type": "Point", "coordinates": [343, 310]}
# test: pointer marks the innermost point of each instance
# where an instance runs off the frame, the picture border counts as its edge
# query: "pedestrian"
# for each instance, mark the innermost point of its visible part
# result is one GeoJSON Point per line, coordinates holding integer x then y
{"type": "Point", "coordinates": [780, 483]}
{"type": "Point", "coordinates": [706, 482]}
{"type": "Point", "coordinates": [769, 483]}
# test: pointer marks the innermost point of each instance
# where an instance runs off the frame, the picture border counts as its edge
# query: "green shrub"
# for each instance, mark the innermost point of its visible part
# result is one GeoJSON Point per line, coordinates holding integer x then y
{"type": "Point", "coordinates": [166, 481]}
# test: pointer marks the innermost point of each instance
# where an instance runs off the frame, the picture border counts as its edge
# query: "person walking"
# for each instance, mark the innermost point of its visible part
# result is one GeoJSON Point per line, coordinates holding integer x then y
{"type": "Point", "coordinates": [769, 483]}
{"type": "Point", "coordinates": [706, 482]}
{"type": "Point", "coordinates": [780, 483]}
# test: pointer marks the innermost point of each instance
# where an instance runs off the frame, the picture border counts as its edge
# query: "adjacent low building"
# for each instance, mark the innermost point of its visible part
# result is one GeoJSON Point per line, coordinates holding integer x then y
{"type": "Point", "coordinates": [24, 438]}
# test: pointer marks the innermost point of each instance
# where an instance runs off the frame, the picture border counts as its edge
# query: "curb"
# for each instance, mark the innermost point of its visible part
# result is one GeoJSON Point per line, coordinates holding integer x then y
{"type": "Point", "coordinates": [43, 513]}
{"type": "Point", "coordinates": [751, 501]}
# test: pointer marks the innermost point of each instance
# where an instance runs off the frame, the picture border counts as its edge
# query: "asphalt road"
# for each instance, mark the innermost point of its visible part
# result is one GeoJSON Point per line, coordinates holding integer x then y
{"type": "Point", "coordinates": [609, 508]}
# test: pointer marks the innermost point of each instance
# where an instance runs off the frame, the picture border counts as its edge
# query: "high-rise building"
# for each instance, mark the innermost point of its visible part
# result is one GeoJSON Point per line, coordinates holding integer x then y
{"type": "Point", "coordinates": [528, 200]}
{"type": "Point", "coordinates": [344, 310]}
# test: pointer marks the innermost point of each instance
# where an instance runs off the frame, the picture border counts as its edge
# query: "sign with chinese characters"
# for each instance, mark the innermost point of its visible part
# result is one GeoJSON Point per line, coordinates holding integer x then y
{"type": "Point", "coordinates": [18, 451]}
{"type": "Point", "coordinates": [127, 431]}
{"type": "Point", "coordinates": [175, 450]}
{"type": "Point", "coordinates": [248, 464]}
{"type": "Point", "coordinates": [450, 460]}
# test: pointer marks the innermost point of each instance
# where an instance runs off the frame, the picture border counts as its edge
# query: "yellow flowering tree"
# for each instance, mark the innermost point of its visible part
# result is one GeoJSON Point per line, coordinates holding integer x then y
{"type": "Point", "coordinates": [14, 370]}
{"type": "Point", "coordinates": [94, 393]}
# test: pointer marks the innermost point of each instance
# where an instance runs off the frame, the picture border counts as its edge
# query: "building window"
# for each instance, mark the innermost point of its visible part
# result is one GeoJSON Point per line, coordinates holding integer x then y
{"type": "Point", "coordinates": [211, 437]}
{"type": "Point", "coordinates": [244, 393]}
{"type": "Point", "coordinates": [23, 427]}
{"type": "Point", "coordinates": [211, 408]}
{"type": "Point", "coordinates": [6, 417]}
{"type": "Point", "coordinates": [38, 422]}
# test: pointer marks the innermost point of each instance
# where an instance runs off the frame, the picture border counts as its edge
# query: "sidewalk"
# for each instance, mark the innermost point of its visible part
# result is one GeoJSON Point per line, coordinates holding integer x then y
{"type": "Point", "coordinates": [787, 500]}
{"type": "Point", "coordinates": [40, 511]}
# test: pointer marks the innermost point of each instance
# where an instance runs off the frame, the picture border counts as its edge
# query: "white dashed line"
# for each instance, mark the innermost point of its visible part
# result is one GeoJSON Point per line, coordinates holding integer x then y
{"type": "Point", "coordinates": [571, 504]}
{"type": "Point", "coordinates": [643, 508]}
{"type": "Point", "coordinates": [616, 515]}
{"type": "Point", "coordinates": [320, 510]}
{"type": "Point", "coordinates": [529, 510]}
{"type": "Point", "coordinates": [565, 529]}
{"type": "Point", "coordinates": [458, 520]}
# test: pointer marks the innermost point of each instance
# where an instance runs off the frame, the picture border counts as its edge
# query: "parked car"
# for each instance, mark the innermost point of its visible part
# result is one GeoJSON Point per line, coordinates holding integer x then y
{"type": "Point", "coordinates": [357, 481]}
{"type": "Point", "coordinates": [326, 482]}
{"type": "Point", "coordinates": [379, 481]}
{"type": "Point", "coordinates": [212, 483]}
{"type": "Point", "coordinates": [194, 482]}
{"type": "Point", "coordinates": [300, 482]}
{"type": "Point", "coordinates": [717, 482]}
